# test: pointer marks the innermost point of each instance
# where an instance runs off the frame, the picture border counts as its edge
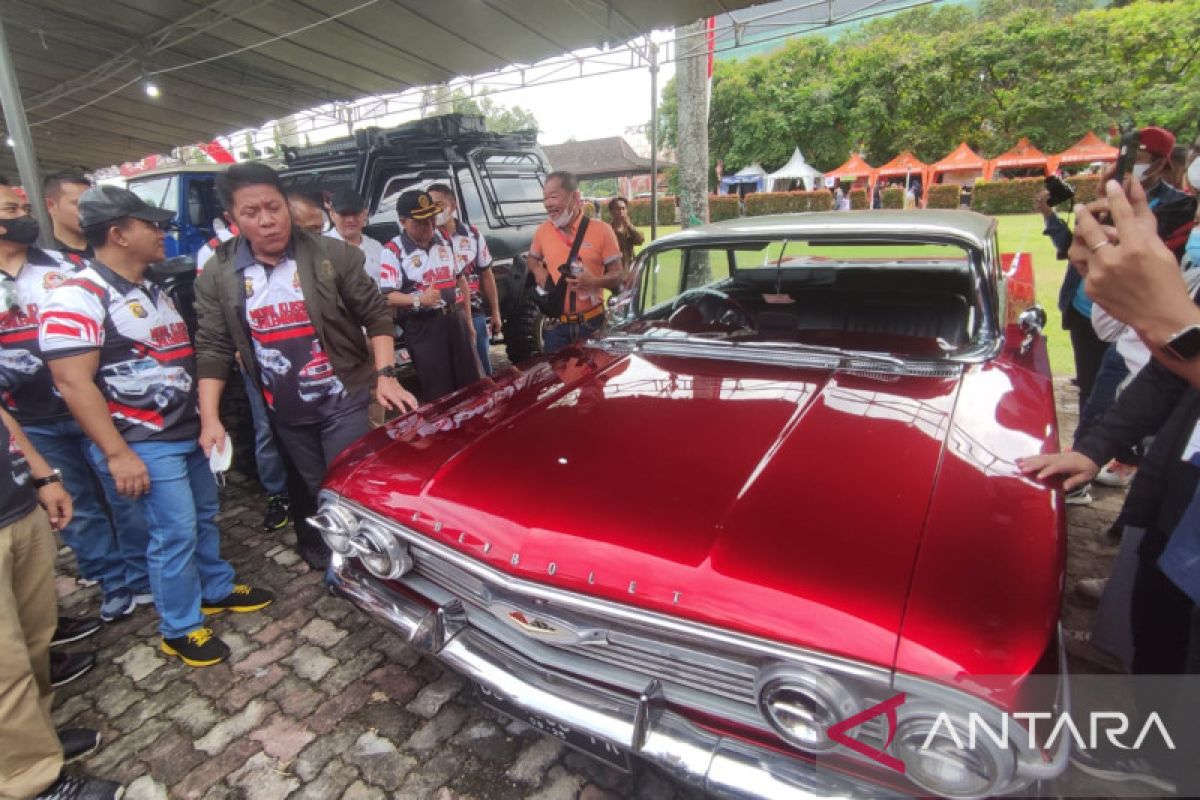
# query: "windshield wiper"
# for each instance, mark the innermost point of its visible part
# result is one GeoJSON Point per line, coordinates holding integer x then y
{"type": "Point", "coordinates": [726, 347]}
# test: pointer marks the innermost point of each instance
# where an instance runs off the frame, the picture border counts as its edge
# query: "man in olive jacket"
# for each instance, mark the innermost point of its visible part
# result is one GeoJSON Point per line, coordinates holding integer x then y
{"type": "Point", "coordinates": [293, 307]}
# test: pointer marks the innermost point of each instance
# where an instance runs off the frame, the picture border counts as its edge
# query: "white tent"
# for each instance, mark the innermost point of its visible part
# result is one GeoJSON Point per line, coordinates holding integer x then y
{"type": "Point", "coordinates": [796, 169]}
{"type": "Point", "coordinates": [753, 175]}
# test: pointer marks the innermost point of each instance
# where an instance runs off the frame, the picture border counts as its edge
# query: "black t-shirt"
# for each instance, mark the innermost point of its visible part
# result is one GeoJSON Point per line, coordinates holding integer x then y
{"type": "Point", "coordinates": [77, 257]}
{"type": "Point", "coordinates": [17, 495]}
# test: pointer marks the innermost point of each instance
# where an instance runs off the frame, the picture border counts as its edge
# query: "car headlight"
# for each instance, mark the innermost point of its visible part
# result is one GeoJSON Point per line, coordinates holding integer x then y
{"type": "Point", "coordinates": [381, 553]}
{"type": "Point", "coordinates": [801, 706]}
{"type": "Point", "coordinates": [936, 760]}
{"type": "Point", "coordinates": [336, 526]}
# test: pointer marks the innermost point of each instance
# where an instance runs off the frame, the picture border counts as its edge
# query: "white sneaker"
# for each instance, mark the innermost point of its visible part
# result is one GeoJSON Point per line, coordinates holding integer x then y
{"type": "Point", "coordinates": [1116, 474]}
{"type": "Point", "coordinates": [143, 599]}
{"type": "Point", "coordinates": [1079, 496]}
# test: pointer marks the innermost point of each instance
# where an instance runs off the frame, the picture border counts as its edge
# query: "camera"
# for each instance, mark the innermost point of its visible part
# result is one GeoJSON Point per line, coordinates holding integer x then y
{"type": "Point", "coordinates": [1060, 191]}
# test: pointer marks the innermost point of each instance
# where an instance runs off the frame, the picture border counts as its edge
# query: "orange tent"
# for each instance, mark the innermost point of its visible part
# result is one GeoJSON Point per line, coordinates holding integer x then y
{"type": "Point", "coordinates": [854, 168]}
{"type": "Point", "coordinates": [1087, 150]}
{"type": "Point", "coordinates": [963, 159]}
{"type": "Point", "coordinates": [904, 164]}
{"type": "Point", "coordinates": [1023, 155]}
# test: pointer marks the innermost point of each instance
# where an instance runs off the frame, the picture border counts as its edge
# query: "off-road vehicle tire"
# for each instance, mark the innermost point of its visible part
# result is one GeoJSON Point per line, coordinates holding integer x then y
{"type": "Point", "coordinates": [523, 329]}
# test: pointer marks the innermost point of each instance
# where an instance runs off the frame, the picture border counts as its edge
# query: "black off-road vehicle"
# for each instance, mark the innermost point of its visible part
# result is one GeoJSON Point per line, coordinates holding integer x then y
{"type": "Point", "coordinates": [497, 177]}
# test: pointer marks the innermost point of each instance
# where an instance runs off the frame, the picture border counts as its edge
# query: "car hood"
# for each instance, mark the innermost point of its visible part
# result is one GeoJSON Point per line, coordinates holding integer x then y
{"type": "Point", "coordinates": [781, 502]}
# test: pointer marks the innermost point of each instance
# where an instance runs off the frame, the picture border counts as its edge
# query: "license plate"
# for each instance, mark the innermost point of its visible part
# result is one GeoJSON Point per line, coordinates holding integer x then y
{"type": "Point", "coordinates": [583, 742]}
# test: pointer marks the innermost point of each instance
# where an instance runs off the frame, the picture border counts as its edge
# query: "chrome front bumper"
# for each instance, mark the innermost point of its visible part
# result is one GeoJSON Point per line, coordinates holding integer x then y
{"type": "Point", "coordinates": [639, 725]}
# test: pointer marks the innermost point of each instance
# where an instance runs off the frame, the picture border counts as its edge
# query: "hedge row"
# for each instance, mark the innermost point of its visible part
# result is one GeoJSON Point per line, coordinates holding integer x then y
{"type": "Point", "coordinates": [639, 211]}
{"type": "Point", "coordinates": [893, 197]}
{"type": "Point", "coordinates": [722, 206]}
{"type": "Point", "coordinates": [761, 203]}
{"type": "Point", "coordinates": [943, 195]}
{"type": "Point", "coordinates": [859, 200]}
{"type": "Point", "coordinates": [1013, 196]}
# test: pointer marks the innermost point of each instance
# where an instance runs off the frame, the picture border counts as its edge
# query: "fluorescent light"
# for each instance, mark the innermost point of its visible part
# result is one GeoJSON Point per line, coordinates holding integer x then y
{"type": "Point", "coordinates": [151, 88]}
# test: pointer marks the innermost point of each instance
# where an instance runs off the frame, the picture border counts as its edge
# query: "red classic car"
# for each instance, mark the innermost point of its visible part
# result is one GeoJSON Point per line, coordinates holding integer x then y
{"type": "Point", "coordinates": [767, 532]}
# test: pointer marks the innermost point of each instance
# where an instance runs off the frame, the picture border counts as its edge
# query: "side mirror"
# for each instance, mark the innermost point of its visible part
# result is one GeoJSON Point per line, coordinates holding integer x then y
{"type": "Point", "coordinates": [1032, 321]}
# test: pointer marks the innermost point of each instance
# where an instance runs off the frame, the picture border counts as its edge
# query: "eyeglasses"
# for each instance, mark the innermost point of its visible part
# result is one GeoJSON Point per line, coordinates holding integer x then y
{"type": "Point", "coordinates": [13, 208]}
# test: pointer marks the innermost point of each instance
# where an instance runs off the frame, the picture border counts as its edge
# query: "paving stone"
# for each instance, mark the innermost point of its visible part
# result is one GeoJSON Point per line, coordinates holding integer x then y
{"type": "Point", "coordinates": [560, 785]}
{"type": "Point", "coordinates": [339, 707]}
{"type": "Point", "coordinates": [213, 681]}
{"type": "Point", "coordinates": [297, 698]}
{"type": "Point", "coordinates": [323, 633]}
{"type": "Point", "coordinates": [69, 709]}
{"type": "Point", "coordinates": [532, 763]}
{"type": "Point", "coordinates": [264, 656]}
{"type": "Point", "coordinates": [173, 756]}
{"type": "Point", "coordinates": [431, 698]}
{"type": "Point", "coordinates": [334, 609]}
{"type": "Point", "coordinates": [246, 689]}
{"type": "Point", "coordinates": [109, 758]}
{"type": "Point", "coordinates": [347, 672]}
{"type": "Point", "coordinates": [395, 650]}
{"type": "Point", "coordinates": [195, 715]}
{"type": "Point", "coordinates": [314, 758]}
{"type": "Point", "coordinates": [428, 777]}
{"type": "Point", "coordinates": [388, 719]}
{"type": "Point", "coordinates": [395, 682]}
{"type": "Point", "coordinates": [262, 779]}
{"type": "Point", "coordinates": [226, 731]}
{"type": "Point", "coordinates": [332, 782]}
{"type": "Point", "coordinates": [309, 662]}
{"type": "Point", "coordinates": [437, 730]}
{"type": "Point", "coordinates": [139, 662]}
{"type": "Point", "coordinates": [488, 741]}
{"type": "Point", "coordinates": [379, 762]}
{"type": "Point", "coordinates": [286, 558]}
{"type": "Point", "coordinates": [115, 694]}
{"type": "Point", "coordinates": [600, 773]}
{"type": "Point", "coordinates": [360, 791]}
{"type": "Point", "coordinates": [283, 737]}
{"type": "Point", "coordinates": [139, 713]}
{"type": "Point", "coordinates": [146, 788]}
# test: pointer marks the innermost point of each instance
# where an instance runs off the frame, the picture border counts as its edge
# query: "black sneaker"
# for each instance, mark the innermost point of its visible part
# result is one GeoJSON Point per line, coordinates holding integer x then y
{"type": "Point", "coordinates": [243, 598]}
{"type": "Point", "coordinates": [69, 787]}
{"type": "Point", "coordinates": [73, 629]}
{"type": "Point", "coordinates": [78, 743]}
{"type": "Point", "coordinates": [277, 513]}
{"type": "Point", "coordinates": [200, 648]}
{"type": "Point", "coordinates": [66, 667]}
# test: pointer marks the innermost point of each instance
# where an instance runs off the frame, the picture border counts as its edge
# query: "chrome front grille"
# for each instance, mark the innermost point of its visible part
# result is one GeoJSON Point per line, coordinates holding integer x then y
{"type": "Point", "coordinates": [644, 654]}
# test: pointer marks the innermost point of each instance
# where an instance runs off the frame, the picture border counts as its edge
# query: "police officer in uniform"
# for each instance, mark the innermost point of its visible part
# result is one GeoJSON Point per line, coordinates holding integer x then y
{"type": "Point", "coordinates": [420, 275]}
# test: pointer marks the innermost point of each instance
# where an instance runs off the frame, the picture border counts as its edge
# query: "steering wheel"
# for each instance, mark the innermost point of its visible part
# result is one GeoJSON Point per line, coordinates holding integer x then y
{"type": "Point", "coordinates": [728, 313]}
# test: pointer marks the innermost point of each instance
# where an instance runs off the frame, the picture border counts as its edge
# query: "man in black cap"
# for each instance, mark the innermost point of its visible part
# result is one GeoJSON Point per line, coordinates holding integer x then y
{"type": "Point", "coordinates": [421, 276]}
{"type": "Point", "coordinates": [348, 211]}
{"type": "Point", "coordinates": [122, 359]}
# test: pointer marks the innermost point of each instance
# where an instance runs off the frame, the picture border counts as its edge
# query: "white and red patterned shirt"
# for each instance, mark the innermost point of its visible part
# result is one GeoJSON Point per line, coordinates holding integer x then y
{"type": "Point", "coordinates": [147, 364]}
{"type": "Point", "coordinates": [407, 267]}
{"type": "Point", "coordinates": [297, 377]}
{"type": "Point", "coordinates": [26, 388]}
{"type": "Point", "coordinates": [473, 257]}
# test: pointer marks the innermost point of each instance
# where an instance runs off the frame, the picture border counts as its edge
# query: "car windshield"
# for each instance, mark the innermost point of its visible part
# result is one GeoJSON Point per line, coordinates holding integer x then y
{"type": "Point", "coordinates": [904, 298]}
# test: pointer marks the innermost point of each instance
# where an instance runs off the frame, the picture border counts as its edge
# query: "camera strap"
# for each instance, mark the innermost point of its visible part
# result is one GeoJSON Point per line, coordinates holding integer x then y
{"type": "Point", "coordinates": [575, 245]}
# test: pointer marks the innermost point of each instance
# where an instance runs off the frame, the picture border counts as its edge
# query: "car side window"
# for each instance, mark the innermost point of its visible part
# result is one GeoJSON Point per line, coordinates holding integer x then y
{"type": "Point", "coordinates": [668, 273]}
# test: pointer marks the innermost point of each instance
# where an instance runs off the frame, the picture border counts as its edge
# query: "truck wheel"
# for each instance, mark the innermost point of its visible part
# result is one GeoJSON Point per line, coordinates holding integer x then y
{"type": "Point", "coordinates": [523, 330]}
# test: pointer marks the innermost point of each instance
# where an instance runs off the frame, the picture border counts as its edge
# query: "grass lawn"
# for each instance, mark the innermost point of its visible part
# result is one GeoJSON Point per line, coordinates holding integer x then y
{"type": "Point", "coordinates": [1019, 233]}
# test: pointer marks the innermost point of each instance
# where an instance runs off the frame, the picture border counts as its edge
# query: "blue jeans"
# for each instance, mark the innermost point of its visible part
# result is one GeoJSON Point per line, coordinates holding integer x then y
{"type": "Point", "coordinates": [107, 532]}
{"type": "Point", "coordinates": [1104, 393]}
{"type": "Point", "coordinates": [561, 335]}
{"type": "Point", "coordinates": [481, 343]}
{"type": "Point", "coordinates": [271, 473]}
{"type": "Point", "coordinates": [184, 554]}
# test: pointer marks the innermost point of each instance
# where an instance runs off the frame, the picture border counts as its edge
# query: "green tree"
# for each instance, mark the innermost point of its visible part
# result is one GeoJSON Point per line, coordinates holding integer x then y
{"type": "Point", "coordinates": [498, 118]}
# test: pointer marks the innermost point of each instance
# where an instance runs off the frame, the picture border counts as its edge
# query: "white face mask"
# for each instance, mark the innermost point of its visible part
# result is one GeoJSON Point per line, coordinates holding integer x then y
{"type": "Point", "coordinates": [1193, 174]}
{"type": "Point", "coordinates": [1139, 171]}
{"type": "Point", "coordinates": [444, 217]}
{"type": "Point", "coordinates": [564, 219]}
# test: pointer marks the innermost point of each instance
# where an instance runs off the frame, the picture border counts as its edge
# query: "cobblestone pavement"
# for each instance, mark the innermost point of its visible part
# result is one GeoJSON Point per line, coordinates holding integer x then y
{"type": "Point", "coordinates": [318, 702]}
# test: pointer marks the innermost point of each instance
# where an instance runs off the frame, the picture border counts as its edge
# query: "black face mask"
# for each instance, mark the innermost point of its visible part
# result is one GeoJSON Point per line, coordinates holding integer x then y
{"type": "Point", "coordinates": [22, 230]}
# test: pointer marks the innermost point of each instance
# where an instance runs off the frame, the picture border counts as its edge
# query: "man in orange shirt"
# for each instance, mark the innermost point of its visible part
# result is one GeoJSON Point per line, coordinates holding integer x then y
{"type": "Point", "coordinates": [596, 267]}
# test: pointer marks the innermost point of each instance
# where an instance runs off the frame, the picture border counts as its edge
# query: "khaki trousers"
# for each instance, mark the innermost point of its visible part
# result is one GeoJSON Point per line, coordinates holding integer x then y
{"type": "Point", "coordinates": [30, 753]}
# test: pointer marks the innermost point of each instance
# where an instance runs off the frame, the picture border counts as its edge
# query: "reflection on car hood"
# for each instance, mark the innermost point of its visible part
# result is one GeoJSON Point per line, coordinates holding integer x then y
{"type": "Point", "coordinates": [787, 503]}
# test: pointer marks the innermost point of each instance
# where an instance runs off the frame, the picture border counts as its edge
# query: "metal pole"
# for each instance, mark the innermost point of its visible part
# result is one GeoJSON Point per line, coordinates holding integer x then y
{"type": "Point", "coordinates": [18, 131]}
{"type": "Point", "coordinates": [653, 141]}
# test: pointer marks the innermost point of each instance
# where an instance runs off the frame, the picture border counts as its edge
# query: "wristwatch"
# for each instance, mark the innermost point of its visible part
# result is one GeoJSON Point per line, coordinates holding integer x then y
{"type": "Point", "coordinates": [1185, 345]}
{"type": "Point", "coordinates": [416, 298]}
{"type": "Point", "coordinates": [55, 476]}
{"type": "Point", "coordinates": [386, 372]}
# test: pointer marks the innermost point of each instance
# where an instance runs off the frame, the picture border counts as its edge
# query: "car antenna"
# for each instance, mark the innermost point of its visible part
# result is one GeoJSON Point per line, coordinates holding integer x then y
{"type": "Point", "coordinates": [779, 297]}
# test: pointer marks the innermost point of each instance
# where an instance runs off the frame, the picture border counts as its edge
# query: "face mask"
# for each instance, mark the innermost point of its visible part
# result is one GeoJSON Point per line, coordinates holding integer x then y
{"type": "Point", "coordinates": [1139, 171]}
{"type": "Point", "coordinates": [1193, 174]}
{"type": "Point", "coordinates": [22, 230]}
{"type": "Point", "coordinates": [444, 217]}
{"type": "Point", "coordinates": [1191, 251]}
{"type": "Point", "coordinates": [563, 219]}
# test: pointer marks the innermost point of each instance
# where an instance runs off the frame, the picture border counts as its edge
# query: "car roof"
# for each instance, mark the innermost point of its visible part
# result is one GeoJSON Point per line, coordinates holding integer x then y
{"type": "Point", "coordinates": [916, 225]}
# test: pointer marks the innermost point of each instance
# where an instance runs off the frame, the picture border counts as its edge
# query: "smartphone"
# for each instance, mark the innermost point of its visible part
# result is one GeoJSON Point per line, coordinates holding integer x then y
{"type": "Point", "coordinates": [1126, 153]}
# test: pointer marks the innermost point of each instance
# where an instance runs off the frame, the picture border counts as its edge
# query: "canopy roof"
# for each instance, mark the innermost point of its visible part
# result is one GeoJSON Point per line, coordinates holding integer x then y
{"type": "Point", "coordinates": [752, 175]}
{"type": "Point", "coordinates": [610, 157]}
{"type": "Point", "coordinates": [963, 159]}
{"type": "Point", "coordinates": [1088, 149]}
{"type": "Point", "coordinates": [224, 65]}
{"type": "Point", "coordinates": [855, 167]}
{"type": "Point", "coordinates": [1022, 155]}
{"type": "Point", "coordinates": [902, 164]}
{"type": "Point", "coordinates": [796, 168]}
